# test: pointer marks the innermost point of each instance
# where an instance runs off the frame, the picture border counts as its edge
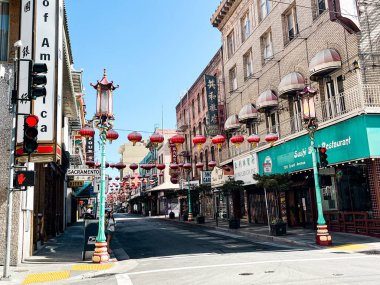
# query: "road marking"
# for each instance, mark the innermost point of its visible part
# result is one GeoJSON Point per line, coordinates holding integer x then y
{"type": "Point", "coordinates": [350, 247]}
{"type": "Point", "coordinates": [224, 234]}
{"type": "Point", "coordinates": [247, 263]}
{"type": "Point", "coordinates": [181, 256]}
{"type": "Point", "coordinates": [237, 245]}
{"type": "Point", "coordinates": [123, 279]}
{"type": "Point", "coordinates": [84, 267]}
{"type": "Point", "coordinates": [46, 276]}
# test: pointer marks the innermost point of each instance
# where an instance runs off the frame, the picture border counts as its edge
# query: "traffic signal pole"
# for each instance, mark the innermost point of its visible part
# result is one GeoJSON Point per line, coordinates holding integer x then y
{"type": "Point", "coordinates": [12, 145]}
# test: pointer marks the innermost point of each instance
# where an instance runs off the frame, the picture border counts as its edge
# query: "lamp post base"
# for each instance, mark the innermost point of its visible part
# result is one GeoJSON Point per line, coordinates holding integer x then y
{"type": "Point", "coordinates": [101, 254]}
{"type": "Point", "coordinates": [323, 237]}
{"type": "Point", "coordinates": [190, 217]}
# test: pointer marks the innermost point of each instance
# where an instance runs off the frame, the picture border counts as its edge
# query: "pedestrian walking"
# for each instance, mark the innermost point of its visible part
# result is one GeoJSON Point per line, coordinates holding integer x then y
{"type": "Point", "coordinates": [110, 228]}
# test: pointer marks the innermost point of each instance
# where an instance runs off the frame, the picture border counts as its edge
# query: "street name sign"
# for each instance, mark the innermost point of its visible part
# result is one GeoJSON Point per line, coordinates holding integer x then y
{"type": "Point", "coordinates": [83, 172]}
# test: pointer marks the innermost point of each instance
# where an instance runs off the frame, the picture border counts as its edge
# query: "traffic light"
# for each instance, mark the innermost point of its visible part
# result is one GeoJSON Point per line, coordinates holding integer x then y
{"type": "Point", "coordinates": [30, 134]}
{"type": "Point", "coordinates": [323, 156]}
{"type": "Point", "coordinates": [38, 80]}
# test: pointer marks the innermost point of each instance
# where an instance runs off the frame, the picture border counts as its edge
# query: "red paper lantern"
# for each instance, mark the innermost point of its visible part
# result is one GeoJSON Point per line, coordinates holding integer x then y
{"type": "Point", "coordinates": [212, 164]}
{"type": "Point", "coordinates": [90, 163]}
{"type": "Point", "coordinates": [117, 178]}
{"type": "Point", "coordinates": [109, 178]}
{"type": "Point", "coordinates": [161, 174]}
{"type": "Point", "coordinates": [135, 137]}
{"type": "Point", "coordinates": [173, 166]}
{"type": "Point", "coordinates": [237, 140]}
{"type": "Point", "coordinates": [174, 180]}
{"type": "Point", "coordinates": [253, 139]}
{"type": "Point", "coordinates": [112, 165]}
{"type": "Point", "coordinates": [138, 183]}
{"type": "Point", "coordinates": [107, 165]}
{"type": "Point", "coordinates": [151, 181]}
{"type": "Point", "coordinates": [155, 139]}
{"type": "Point", "coordinates": [199, 165]}
{"type": "Point", "coordinates": [199, 140]}
{"type": "Point", "coordinates": [187, 166]}
{"type": "Point", "coordinates": [177, 140]}
{"type": "Point", "coordinates": [112, 135]}
{"type": "Point", "coordinates": [87, 132]}
{"type": "Point", "coordinates": [133, 166]}
{"type": "Point", "coordinates": [139, 176]}
{"type": "Point", "coordinates": [154, 175]}
{"type": "Point", "coordinates": [180, 165]}
{"type": "Point", "coordinates": [120, 165]}
{"type": "Point", "coordinates": [218, 140]}
{"type": "Point", "coordinates": [271, 138]}
{"type": "Point", "coordinates": [160, 166]}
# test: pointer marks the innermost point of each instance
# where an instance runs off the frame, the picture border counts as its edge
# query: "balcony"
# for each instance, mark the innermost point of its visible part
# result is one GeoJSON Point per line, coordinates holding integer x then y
{"type": "Point", "coordinates": [342, 106]}
{"type": "Point", "coordinates": [182, 126]}
{"type": "Point", "coordinates": [77, 158]}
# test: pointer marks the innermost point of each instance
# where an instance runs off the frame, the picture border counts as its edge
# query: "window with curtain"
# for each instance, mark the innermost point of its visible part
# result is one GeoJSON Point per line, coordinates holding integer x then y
{"type": "Point", "coordinates": [4, 28]}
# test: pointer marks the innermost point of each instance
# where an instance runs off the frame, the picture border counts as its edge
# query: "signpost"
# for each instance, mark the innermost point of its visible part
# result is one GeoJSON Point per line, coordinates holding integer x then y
{"type": "Point", "coordinates": [83, 172]}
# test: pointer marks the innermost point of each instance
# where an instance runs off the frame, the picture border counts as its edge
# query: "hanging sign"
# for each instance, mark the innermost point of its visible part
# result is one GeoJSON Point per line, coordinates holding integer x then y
{"type": "Point", "coordinates": [212, 104]}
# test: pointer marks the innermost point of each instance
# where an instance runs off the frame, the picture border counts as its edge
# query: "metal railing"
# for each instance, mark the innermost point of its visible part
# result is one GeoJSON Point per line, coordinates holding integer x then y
{"type": "Point", "coordinates": [332, 108]}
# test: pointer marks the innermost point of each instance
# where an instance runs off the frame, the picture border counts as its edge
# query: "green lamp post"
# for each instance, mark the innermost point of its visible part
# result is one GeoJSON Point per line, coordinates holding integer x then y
{"type": "Point", "coordinates": [187, 167]}
{"type": "Point", "coordinates": [310, 123]}
{"type": "Point", "coordinates": [103, 121]}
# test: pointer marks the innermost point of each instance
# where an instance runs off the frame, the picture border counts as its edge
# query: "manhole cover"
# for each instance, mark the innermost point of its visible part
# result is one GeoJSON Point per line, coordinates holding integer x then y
{"type": "Point", "coordinates": [371, 252]}
{"type": "Point", "coordinates": [337, 274]}
{"type": "Point", "coordinates": [246, 273]}
{"type": "Point", "coordinates": [269, 271]}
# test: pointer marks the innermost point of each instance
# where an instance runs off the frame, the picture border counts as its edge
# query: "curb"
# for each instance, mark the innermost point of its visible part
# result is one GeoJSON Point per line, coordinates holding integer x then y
{"type": "Point", "coordinates": [248, 234]}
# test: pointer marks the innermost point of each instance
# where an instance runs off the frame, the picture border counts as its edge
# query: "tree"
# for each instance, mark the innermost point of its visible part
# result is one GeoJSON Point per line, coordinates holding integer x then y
{"type": "Point", "coordinates": [276, 183]}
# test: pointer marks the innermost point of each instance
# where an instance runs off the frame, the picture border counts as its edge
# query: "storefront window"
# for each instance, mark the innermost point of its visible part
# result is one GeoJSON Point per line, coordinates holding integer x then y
{"type": "Point", "coordinates": [353, 188]}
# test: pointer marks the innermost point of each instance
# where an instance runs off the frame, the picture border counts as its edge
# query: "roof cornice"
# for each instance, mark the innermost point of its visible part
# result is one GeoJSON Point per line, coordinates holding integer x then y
{"type": "Point", "coordinates": [223, 12]}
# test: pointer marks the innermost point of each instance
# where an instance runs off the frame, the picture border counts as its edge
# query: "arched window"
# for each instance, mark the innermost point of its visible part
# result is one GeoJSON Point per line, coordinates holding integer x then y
{"type": "Point", "coordinates": [201, 157]}
{"type": "Point", "coordinates": [203, 98]}
{"type": "Point", "coordinates": [199, 103]}
{"type": "Point", "coordinates": [200, 128]}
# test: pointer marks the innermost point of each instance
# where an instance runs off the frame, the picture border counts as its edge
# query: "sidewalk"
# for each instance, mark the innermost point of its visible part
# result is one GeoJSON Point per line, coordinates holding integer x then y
{"type": "Point", "coordinates": [60, 259]}
{"type": "Point", "coordinates": [295, 236]}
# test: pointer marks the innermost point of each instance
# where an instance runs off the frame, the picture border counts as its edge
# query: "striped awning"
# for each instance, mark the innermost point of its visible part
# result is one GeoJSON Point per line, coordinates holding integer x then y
{"type": "Point", "coordinates": [232, 123]}
{"type": "Point", "coordinates": [324, 62]}
{"type": "Point", "coordinates": [290, 84]}
{"type": "Point", "coordinates": [268, 99]}
{"type": "Point", "coordinates": [248, 112]}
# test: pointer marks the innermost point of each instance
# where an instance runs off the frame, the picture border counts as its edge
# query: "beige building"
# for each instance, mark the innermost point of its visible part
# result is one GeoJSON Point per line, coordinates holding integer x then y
{"type": "Point", "coordinates": [132, 154]}
{"type": "Point", "coordinates": [271, 51]}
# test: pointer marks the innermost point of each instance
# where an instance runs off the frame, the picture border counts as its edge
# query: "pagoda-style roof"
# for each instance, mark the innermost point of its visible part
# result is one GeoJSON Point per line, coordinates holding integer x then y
{"type": "Point", "coordinates": [105, 83]}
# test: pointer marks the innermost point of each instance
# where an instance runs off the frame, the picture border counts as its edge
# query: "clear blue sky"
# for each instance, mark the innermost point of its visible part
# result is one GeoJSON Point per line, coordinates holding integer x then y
{"type": "Point", "coordinates": [154, 49]}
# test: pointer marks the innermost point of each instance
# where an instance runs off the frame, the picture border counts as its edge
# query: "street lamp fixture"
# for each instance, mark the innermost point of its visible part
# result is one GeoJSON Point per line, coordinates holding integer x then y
{"type": "Point", "coordinates": [310, 123]}
{"type": "Point", "coordinates": [103, 121]}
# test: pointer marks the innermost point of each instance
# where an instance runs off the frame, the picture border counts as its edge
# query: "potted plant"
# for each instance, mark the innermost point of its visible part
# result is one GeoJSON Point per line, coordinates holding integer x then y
{"type": "Point", "coordinates": [277, 227]}
{"type": "Point", "coordinates": [232, 189]}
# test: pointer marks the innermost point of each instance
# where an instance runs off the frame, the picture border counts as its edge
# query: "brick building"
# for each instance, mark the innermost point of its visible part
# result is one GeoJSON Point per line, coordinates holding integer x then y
{"type": "Point", "coordinates": [192, 119]}
{"type": "Point", "coordinates": [272, 50]}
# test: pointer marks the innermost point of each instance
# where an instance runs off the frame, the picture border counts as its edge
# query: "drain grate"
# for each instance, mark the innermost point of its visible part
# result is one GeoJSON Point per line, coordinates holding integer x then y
{"type": "Point", "coordinates": [371, 252]}
{"type": "Point", "coordinates": [246, 273]}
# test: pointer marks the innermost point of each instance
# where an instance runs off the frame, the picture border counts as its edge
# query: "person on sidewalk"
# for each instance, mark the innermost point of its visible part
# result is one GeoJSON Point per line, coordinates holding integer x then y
{"type": "Point", "coordinates": [110, 228]}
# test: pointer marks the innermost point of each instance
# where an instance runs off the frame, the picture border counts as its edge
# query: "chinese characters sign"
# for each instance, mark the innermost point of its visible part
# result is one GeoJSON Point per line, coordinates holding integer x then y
{"type": "Point", "coordinates": [212, 104]}
{"type": "Point", "coordinates": [90, 149]}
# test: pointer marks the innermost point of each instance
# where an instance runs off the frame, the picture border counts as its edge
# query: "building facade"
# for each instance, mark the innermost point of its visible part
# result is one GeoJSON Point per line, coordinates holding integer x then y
{"type": "Point", "coordinates": [272, 51]}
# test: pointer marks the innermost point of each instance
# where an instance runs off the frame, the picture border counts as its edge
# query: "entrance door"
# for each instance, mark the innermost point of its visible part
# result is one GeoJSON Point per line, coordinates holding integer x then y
{"type": "Point", "coordinates": [304, 207]}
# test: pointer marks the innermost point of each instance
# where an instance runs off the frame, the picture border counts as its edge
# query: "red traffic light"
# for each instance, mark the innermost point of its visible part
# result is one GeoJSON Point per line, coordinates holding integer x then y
{"type": "Point", "coordinates": [31, 120]}
{"type": "Point", "coordinates": [322, 150]}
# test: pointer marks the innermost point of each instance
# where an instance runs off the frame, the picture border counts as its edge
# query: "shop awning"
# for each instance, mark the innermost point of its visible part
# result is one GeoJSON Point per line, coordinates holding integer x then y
{"type": "Point", "coordinates": [325, 62]}
{"type": "Point", "coordinates": [290, 84]}
{"type": "Point", "coordinates": [85, 191]}
{"type": "Point", "coordinates": [232, 123]}
{"type": "Point", "coordinates": [165, 186]}
{"type": "Point", "coordinates": [248, 112]}
{"type": "Point", "coordinates": [266, 100]}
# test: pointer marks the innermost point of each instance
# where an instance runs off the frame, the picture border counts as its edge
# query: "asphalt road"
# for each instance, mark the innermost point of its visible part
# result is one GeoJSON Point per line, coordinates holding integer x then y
{"type": "Point", "coordinates": [162, 252]}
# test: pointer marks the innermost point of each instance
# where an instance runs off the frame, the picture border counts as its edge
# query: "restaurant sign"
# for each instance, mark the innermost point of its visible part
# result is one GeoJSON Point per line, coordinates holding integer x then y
{"type": "Point", "coordinates": [352, 139]}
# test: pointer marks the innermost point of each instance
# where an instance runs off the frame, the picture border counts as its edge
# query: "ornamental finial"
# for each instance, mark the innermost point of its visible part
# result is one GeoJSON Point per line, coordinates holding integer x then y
{"type": "Point", "coordinates": [105, 74]}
